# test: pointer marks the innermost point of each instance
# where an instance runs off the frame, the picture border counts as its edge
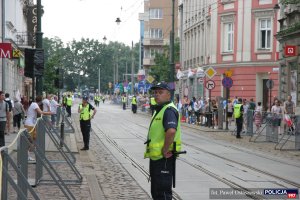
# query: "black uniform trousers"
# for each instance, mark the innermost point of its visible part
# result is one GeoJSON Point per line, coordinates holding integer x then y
{"type": "Point", "coordinates": [239, 126]}
{"type": "Point", "coordinates": [161, 172]}
{"type": "Point", "coordinates": [134, 108]}
{"type": "Point", "coordinates": [85, 127]}
{"type": "Point", "coordinates": [124, 105]}
{"type": "Point", "coordinates": [68, 109]}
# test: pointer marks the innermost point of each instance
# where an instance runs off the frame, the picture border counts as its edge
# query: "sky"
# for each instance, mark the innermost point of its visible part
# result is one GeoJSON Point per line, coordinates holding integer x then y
{"type": "Point", "coordinates": [94, 19]}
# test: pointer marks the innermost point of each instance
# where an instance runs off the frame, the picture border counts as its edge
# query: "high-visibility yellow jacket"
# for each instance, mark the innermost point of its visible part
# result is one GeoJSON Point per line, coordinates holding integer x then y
{"type": "Point", "coordinates": [237, 110]}
{"type": "Point", "coordinates": [156, 135]}
{"type": "Point", "coordinates": [69, 101]}
{"type": "Point", "coordinates": [133, 101]}
{"type": "Point", "coordinates": [86, 113]}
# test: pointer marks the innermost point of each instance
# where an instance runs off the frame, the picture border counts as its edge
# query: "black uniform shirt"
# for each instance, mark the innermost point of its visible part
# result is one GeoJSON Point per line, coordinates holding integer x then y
{"type": "Point", "coordinates": [170, 117]}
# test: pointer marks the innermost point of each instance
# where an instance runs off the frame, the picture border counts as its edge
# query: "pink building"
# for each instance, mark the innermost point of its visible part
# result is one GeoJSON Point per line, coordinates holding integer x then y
{"type": "Point", "coordinates": [230, 34]}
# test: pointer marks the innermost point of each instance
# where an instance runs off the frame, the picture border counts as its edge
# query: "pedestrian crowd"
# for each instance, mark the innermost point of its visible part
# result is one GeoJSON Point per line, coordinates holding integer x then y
{"type": "Point", "coordinates": [19, 111]}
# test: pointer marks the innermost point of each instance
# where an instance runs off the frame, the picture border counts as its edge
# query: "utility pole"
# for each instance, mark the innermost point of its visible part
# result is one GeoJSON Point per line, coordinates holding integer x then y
{"type": "Point", "coordinates": [99, 91]}
{"type": "Point", "coordinates": [172, 65]}
{"type": "Point", "coordinates": [132, 69]}
{"type": "Point", "coordinates": [39, 45]}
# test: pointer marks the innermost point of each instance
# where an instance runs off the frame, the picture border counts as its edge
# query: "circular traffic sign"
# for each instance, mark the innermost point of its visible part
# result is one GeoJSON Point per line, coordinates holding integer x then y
{"type": "Point", "coordinates": [210, 84]}
{"type": "Point", "coordinates": [270, 84]}
{"type": "Point", "coordinates": [227, 82]}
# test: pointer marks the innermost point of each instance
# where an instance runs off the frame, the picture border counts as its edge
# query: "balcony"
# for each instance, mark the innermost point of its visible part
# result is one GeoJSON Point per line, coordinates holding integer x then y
{"type": "Point", "coordinates": [25, 39]}
{"type": "Point", "coordinates": [153, 42]}
{"type": "Point", "coordinates": [148, 61]}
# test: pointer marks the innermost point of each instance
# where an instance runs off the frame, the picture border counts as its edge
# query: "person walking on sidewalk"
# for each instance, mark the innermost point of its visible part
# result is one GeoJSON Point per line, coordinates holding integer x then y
{"type": "Point", "coordinates": [9, 116]}
{"type": "Point", "coordinates": [238, 115]}
{"type": "Point", "coordinates": [85, 109]}
{"type": "Point", "coordinates": [4, 112]}
{"type": "Point", "coordinates": [164, 130]}
{"type": "Point", "coordinates": [18, 111]}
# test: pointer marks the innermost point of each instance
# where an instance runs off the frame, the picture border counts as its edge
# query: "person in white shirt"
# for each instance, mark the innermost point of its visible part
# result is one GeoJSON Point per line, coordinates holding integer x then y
{"type": "Point", "coordinates": [53, 107]}
{"type": "Point", "coordinates": [46, 103]}
{"type": "Point", "coordinates": [277, 113]}
{"type": "Point", "coordinates": [32, 112]}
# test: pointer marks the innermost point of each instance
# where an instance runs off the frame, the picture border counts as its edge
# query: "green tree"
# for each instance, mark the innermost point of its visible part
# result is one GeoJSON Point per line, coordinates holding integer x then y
{"type": "Point", "coordinates": [161, 70]}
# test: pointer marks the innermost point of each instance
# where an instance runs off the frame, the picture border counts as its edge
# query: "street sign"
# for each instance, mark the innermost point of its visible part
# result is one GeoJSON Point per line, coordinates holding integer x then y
{"type": "Point", "coordinates": [227, 82]}
{"type": "Point", "coordinates": [270, 84]}
{"type": "Point", "coordinates": [210, 72]}
{"type": "Point", "coordinates": [210, 84]}
{"type": "Point", "coordinates": [228, 73]}
{"type": "Point", "coordinates": [290, 50]}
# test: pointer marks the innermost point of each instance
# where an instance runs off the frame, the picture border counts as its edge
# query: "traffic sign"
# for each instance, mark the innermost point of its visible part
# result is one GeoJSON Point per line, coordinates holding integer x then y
{"type": "Point", "coordinates": [210, 84]}
{"type": "Point", "coordinates": [270, 84]}
{"type": "Point", "coordinates": [228, 73]}
{"type": "Point", "coordinates": [290, 50]}
{"type": "Point", "coordinates": [210, 72]}
{"type": "Point", "coordinates": [227, 82]}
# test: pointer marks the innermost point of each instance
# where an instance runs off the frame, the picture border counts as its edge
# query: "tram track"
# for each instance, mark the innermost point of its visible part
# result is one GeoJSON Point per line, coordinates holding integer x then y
{"type": "Point", "coordinates": [176, 196]}
{"type": "Point", "coordinates": [297, 185]}
{"type": "Point", "coordinates": [122, 151]}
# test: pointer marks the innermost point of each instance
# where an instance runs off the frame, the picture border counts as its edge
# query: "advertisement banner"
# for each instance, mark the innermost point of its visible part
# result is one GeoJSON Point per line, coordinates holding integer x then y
{"type": "Point", "coordinates": [5, 50]}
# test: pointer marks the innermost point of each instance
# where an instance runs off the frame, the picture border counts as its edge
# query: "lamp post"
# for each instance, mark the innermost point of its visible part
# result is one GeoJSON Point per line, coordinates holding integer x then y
{"type": "Point", "coordinates": [99, 90]}
{"type": "Point", "coordinates": [39, 45]}
{"type": "Point", "coordinates": [172, 65]}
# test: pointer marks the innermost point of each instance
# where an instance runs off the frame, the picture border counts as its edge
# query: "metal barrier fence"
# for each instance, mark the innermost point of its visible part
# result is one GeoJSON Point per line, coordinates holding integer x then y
{"type": "Point", "coordinates": [22, 185]}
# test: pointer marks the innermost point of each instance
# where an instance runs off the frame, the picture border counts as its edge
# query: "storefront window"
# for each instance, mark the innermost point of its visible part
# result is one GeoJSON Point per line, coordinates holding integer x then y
{"type": "Point", "coordinates": [293, 82]}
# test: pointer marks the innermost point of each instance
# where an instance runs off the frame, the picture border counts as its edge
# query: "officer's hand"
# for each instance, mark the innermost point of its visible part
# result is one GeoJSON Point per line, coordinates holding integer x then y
{"type": "Point", "coordinates": [167, 154]}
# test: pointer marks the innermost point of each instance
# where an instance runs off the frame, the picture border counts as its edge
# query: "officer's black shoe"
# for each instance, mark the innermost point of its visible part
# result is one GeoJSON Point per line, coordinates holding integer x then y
{"type": "Point", "coordinates": [238, 137]}
{"type": "Point", "coordinates": [84, 149]}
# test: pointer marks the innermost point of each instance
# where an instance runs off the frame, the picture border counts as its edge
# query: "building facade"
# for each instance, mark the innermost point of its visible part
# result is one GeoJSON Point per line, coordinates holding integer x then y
{"type": "Point", "coordinates": [14, 32]}
{"type": "Point", "coordinates": [230, 35]}
{"type": "Point", "coordinates": [157, 18]}
{"type": "Point", "coordinates": [289, 38]}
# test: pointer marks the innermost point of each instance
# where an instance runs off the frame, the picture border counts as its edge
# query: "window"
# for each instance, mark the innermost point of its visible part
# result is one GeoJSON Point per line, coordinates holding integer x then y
{"type": "Point", "coordinates": [228, 37]}
{"type": "Point", "coordinates": [153, 52]}
{"type": "Point", "coordinates": [265, 33]}
{"type": "Point", "coordinates": [156, 33]}
{"type": "Point", "coordinates": [155, 13]}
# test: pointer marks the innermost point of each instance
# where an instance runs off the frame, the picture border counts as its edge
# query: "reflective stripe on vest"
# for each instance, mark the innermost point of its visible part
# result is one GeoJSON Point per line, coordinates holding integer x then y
{"type": "Point", "coordinates": [85, 114]}
{"type": "Point", "coordinates": [69, 101]}
{"type": "Point", "coordinates": [123, 99]}
{"type": "Point", "coordinates": [152, 101]}
{"type": "Point", "coordinates": [133, 101]}
{"type": "Point", "coordinates": [237, 110]}
{"type": "Point", "coordinates": [156, 136]}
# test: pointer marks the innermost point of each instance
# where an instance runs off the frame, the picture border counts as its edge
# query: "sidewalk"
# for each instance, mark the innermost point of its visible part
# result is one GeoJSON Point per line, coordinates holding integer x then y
{"type": "Point", "coordinates": [103, 176]}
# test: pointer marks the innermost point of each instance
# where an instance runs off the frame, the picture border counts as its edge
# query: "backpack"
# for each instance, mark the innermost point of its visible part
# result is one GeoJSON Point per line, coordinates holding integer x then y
{"type": "Point", "coordinates": [9, 105]}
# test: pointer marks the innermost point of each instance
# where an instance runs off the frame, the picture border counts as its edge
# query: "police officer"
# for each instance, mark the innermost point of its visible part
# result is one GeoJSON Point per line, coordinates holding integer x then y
{"type": "Point", "coordinates": [164, 130]}
{"type": "Point", "coordinates": [238, 115]}
{"type": "Point", "coordinates": [69, 103]}
{"type": "Point", "coordinates": [124, 99]}
{"type": "Point", "coordinates": [133, 104]}
{"type": "Point", "coordinates": [85, 120]}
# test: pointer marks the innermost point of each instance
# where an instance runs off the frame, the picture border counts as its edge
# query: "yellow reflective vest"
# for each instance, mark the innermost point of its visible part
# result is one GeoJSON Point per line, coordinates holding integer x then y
{"type": "Point", "coordinates": [237, 111]}
{"type": "Point", "coordinates": [133, 101]}
{"type": "Point", "coordinates": [152, 101]}
{"type": "Point", "coordinates": [124, 99]}
{"type": "Point", "coordinates": [156, 135]}
{"type": "Point", "coordinates": [69, 101]}
{"type": "Point", "coordinates": [85, 114]}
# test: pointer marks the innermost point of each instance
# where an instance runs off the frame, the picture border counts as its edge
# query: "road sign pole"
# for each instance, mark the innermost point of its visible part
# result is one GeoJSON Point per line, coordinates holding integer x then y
{"type": "Point", "coordinates": [209, 117]}
{"type": "Point", "coordinates": [226, 109]}
{"type": "Point", "coordinates": [270, 98]}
